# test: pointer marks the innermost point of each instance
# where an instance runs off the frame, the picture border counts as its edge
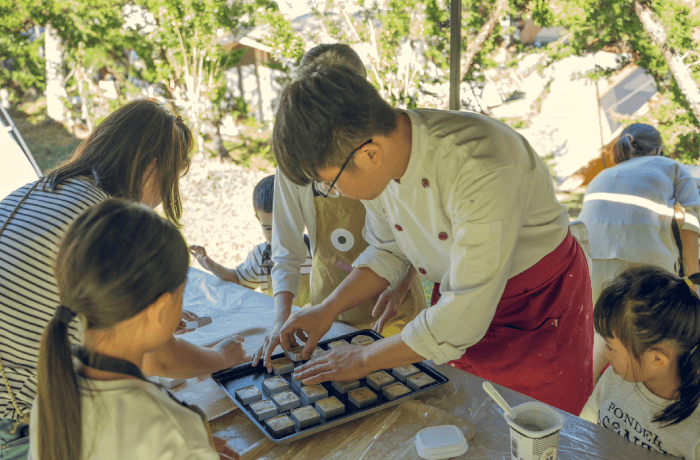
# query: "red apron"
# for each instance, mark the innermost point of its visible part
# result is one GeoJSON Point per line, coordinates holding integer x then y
{"type": "Point", "coordinates": [540, 342]}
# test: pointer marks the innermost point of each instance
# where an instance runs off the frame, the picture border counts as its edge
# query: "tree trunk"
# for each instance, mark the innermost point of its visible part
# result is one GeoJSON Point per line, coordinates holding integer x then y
{"type": "Point", "coordinates": [474, 47]}
{"type": "Point", "coordinates": [261, 114]}
{"type": "Point", "coordinates": [54, 74]}
{"type": "Point", "coordinates": [680, 72]}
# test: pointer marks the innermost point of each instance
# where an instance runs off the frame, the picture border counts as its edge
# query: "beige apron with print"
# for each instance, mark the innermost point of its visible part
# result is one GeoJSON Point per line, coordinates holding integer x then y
{"type": "Point", "coordinates": [339, 241]}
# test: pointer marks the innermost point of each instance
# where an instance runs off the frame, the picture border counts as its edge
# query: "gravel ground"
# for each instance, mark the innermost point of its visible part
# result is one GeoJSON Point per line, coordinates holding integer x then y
{"type": "Point", "coordinates": [218, 209]}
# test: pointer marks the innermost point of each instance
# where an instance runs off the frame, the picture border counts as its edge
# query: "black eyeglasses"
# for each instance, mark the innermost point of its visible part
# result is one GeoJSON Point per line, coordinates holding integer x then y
{"type": "Point", "coordinates": [326, 190]}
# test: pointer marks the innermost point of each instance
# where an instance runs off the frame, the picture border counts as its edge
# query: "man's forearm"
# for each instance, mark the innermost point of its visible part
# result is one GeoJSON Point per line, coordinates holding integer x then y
{"type": "Point", "coordinates": [177, 358]}
{"type": "Point", "coordinates": [283, 307]}
{"type": "Point", "coordinates": [361, 284]}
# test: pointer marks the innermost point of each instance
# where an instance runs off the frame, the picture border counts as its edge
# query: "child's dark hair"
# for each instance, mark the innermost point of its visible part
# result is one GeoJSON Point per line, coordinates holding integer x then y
{"type": "Point", "coordinates": [263, 194]}
{"type": "Point", "coordinates": [645, 306]}
{"type": "Point", "coordinates": [115, 260]}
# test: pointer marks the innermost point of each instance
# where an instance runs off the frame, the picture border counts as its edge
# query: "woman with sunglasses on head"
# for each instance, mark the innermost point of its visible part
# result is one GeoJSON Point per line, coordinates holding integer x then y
{"type": "Point", "coordinates": [335, 226]}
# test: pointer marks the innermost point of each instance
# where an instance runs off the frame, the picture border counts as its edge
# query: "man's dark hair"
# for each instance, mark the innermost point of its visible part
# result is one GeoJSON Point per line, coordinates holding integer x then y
{"type": "Point", "coordinates": [323, 116]}
{"type": "Point", "coordinates": [263, 194]}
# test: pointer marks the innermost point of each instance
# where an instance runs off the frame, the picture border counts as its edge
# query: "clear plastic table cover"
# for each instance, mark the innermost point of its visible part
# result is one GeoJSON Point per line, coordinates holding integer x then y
{"type": "Point", "coordinates": [387, 434]}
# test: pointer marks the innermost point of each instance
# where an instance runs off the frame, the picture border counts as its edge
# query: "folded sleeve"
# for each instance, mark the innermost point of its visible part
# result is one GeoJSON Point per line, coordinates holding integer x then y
{"type": "Point", "coordinates": [486, 224]}
{"type": "Point", "coordinates": [289, 252]}
{"type": "Point", "coordinates": [383, 255]}
{"type": "Point", "coordinates": [686, 193]}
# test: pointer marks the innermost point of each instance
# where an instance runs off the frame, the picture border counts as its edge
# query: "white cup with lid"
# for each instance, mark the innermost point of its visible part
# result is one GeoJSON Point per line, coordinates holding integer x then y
{"type": "Point", "coordinates": [534, 434]}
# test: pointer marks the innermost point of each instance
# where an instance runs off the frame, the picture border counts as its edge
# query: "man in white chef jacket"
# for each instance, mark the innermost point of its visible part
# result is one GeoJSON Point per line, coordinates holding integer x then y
{"type": "Point", "coordinates": [466, 200]}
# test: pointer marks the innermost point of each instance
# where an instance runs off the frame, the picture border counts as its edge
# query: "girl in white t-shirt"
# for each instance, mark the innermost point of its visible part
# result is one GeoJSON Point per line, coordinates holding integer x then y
{"type": "Point", "coordinates": [650, 320]}
{"type": "Point", "coordinates": [122, 270]}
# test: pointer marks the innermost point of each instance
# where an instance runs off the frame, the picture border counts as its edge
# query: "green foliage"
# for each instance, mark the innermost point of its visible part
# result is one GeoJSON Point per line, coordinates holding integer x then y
{"type": "Point", "coordinates": [614, 25]}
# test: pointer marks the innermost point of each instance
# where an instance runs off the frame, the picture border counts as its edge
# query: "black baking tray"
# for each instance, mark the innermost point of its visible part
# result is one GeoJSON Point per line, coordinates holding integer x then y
{"type": "Point", "coordinates": [246, 375]}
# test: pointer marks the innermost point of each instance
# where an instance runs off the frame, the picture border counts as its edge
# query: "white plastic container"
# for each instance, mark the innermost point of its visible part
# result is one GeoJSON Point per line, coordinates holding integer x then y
{"type": "Point", "coordinates": [440, 442]}
{"type": "Point", "coordinates": [535, 435]}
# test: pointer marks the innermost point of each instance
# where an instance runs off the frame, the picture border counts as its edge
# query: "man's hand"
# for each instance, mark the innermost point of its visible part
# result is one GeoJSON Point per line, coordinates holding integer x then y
{"type": "Point", "coordinates": [308, 325]}
{"type": "Point", "coordinates": [341, 364]}
{"type": "Point", "coordinates": [267, 348]}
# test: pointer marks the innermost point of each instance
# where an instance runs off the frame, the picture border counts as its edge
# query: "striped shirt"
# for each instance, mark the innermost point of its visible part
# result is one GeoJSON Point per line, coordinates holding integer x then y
{"type": "Point", "coordinates": [28, 291]}
{"type": "Point", "coordinates": [256, 271]}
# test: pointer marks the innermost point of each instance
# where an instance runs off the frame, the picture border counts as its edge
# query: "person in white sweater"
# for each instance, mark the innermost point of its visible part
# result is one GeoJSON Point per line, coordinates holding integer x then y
{"type": "Point", "coordinates": [122, 272]}
{"type": "Point", "coordinates": [628, 211]}
{"type": "Point", "coordinates": [650, 320]}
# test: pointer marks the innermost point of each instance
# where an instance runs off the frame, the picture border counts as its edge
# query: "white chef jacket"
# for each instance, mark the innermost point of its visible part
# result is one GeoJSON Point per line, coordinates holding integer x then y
{"type": "Point", "coordinates": [293, 209]}
{"type": "Point", "coordinates": [475, 207]}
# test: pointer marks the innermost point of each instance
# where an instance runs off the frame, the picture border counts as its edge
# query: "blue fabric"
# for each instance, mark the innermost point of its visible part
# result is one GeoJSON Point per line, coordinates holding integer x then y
{"type": "Point", "coordinates": [13, 446]}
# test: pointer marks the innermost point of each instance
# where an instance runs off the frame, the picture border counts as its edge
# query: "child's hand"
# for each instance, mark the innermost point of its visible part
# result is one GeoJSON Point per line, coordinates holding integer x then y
{"type": "Point", "coordinates": [201, 255]}
{"type": "Point", "coordinates": [232, 351]}
{"type": "Point", "coordinates": [186, 316]}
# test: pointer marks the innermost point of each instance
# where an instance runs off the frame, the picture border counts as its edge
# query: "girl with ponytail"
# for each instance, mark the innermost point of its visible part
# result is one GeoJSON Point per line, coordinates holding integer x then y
{"type": "Point", "coordinates": [121, 269]}
{"type": "Point", "coordinates": [650, 320]}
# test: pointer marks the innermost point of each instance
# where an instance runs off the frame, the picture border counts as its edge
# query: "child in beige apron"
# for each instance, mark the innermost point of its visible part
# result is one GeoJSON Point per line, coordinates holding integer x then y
{"type": "Point", "coordinates": [339, 241]}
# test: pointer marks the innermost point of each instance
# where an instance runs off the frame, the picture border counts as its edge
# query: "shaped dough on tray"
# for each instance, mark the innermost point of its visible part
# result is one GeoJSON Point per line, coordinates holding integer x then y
{"type": "Point", "coordinates": [281, 425]}
{"type": "Point", "coordinates": [395, 390]}
{"type": "Point", "coordinates": [264, 409]}
{"type": "Point", "coordinates": [248, 395]}
{"type": "Point", "coordinates": [305, 416]}
{"type": "Point", "coordinates": [362, 397]}
{"type": "Point", "coordinates": [286, 400]}
{"type": "Point", "coordinates": [337, 344]}
{"type": "Point", "coordinates": [362, 340]}
{"type": "Point", "coordinates": [379, 380]}
{"type": "Point", "coordinates": [419, 381]}
{"type": "Point", "coordinates": [330, 407]}
{"type": "Point", "coordinates": [312, 393]}
{"type": "Point", "coordinates": [344, 387]}
{"type": "Point", "coordinates": [275, 385]}
{"type": "Point", "coordinates": [282, 366]}
{"type": "Point", "coordinates": [404, 372]}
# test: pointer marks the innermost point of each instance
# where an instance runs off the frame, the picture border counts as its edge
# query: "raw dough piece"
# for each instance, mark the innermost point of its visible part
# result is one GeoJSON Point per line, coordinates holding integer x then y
{"type": "Point", "coordinates": [379, 380]}
{"type": "Point", "coordinates": [305, 416]}
{"type": "Point", "coordinates": [395, 390]}
{"type": "Point", "coordinates": [312, 393]}
{"type": "Point", "coordinates": [282, 366]}
{"type": "Point", "coordinates": [286, 400]}
{"type": "Point", "coordinates": [281, 425]}
{"type": "Point", "coordinates": [404, 372]}
{"type": "Point", "coordinates": [248, 395]}
{"type": "Point", "coordinates": [344, 387]}
{"type": "Point", "coordinates": [264, 409]}
{"type": "Point", "coordinates": [330, 407]}
{"type": "Point", "coordinates": [337, 344]}
{"type": "Point", "coordinates": [295, 354]}
{"type": "Point", "coordinates": [362, 397]}
{"type": "Point", "coordinates": [419, 381]}
{"type": "Point", "coordinates": [199, 322]}
{"type": "Point", "coordinates": [362, 340]}
{"type": "Point", "coordinates": [275, 385]}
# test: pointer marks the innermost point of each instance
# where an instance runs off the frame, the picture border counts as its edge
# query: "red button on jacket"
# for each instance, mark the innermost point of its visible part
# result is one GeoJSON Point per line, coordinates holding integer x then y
{"type": "Point", "coordinates": [442, 236]}
{"type": "Point", "coordinates": [422, 271]}
{"type": "Point", "coordinates": [398, 227]}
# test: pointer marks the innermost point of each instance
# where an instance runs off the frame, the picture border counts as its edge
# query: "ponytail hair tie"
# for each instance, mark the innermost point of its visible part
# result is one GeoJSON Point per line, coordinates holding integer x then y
{"type": "Point", "coordinates": [631, 137]}
{"type": "Point", "coordinates": [64, 314]}
{"type": "Point", "coordinates": [179, 118]}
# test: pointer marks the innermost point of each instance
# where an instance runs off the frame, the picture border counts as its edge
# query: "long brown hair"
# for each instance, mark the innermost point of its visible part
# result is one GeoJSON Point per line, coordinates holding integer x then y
{"type": "Point", "coordinates": [119, 151]}
{"type": "Point", "coordinates": [115, 260]}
